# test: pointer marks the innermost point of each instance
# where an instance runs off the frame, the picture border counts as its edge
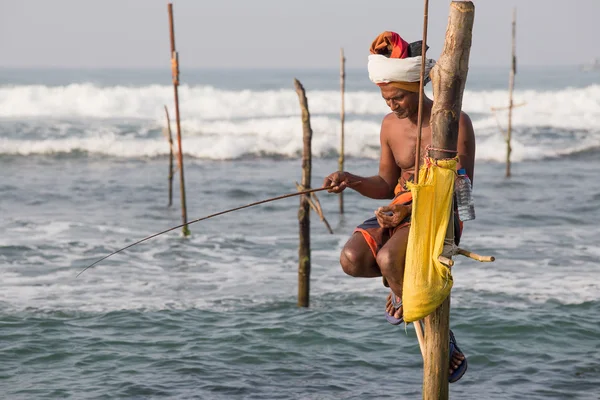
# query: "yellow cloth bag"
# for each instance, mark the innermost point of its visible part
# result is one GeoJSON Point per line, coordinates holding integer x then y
{"type": "Point", "coordinates": [427, 282]}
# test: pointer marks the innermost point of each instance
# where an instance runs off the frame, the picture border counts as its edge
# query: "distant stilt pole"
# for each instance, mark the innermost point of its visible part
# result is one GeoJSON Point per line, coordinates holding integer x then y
{"type": "Point", "coordinates": [170, 139]}
{"type": "Point", "coordinates": [175, 73]}
{"type": "Point", "coordinates": [304, 211]}
{"type": "Point", "coordinates": [511, 85]}
{"type": "Point", "coordinates": [448, 78]}
{"type": "Point", "coordinates": [342, 120]}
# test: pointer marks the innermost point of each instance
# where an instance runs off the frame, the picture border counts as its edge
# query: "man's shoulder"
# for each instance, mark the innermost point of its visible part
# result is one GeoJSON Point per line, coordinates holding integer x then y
{"type": "Point", "coordinates": [391, 123]}
{"type": "Point", "coordinates": [389, 118]}
{"type": "Point", "coordinates": [392, 120]}
{"type": "Point", "coordinates": [464, 118]}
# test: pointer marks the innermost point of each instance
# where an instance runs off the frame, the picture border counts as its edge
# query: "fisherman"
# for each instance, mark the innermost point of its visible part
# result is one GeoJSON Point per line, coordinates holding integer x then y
{"type": "Point", "coordinates": [378, 246]}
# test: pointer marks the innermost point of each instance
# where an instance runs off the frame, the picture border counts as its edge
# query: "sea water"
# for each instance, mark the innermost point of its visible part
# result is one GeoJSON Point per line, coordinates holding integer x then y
{"type": "Point", "coordinates": [84, 164]}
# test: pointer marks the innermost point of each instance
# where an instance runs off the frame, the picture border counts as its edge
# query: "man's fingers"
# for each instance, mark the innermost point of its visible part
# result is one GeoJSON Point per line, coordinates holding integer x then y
{"type": "Point", "coordinates": [338, 186]}
{"type": "Point", "coordinates": [384, 222]}
{"type": "Point", "coordinates": [386, 218]}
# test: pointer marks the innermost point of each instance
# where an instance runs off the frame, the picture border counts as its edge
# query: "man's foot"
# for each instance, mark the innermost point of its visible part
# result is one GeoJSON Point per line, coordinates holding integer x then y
{"type": "Point", "coordinates": [393, 309]}
{"type": "Point", "coordinates": [458, 362]}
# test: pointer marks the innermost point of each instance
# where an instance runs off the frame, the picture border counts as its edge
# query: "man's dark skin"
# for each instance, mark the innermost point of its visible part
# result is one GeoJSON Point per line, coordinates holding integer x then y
{"type": "Point", "coordinates": [398, 138]}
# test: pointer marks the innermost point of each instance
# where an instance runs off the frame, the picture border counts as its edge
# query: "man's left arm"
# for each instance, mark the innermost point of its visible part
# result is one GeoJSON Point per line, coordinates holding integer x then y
{"type": "Point", "coordinates": [466, 145]}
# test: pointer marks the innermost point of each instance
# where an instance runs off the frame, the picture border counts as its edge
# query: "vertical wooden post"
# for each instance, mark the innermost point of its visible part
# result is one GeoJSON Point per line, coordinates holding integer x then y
{"type": "Point", "coordinates": [418, 325]}
{"type": "Point", "coordinates": [511, 85]}
{"type": "Point", "coordinates": [304, 211]}
{"type": "Point", "coordinates": [448, 77]}
{"type": "Point", "coordinates": [170, 139]}
{"type": "Point", "coordinates": [342, 120]}
{"type": "Point", "coordinates": [175, 73]}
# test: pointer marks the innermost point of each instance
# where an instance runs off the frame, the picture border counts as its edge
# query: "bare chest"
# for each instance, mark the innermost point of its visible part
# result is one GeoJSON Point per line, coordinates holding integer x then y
{"type": "Point", "coordinates": [403, 143]}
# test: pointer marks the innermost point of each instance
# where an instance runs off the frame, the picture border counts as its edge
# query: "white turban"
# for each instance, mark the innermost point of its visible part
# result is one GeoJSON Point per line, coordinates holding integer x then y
{"type": "Point", "coordinates": [404, 73]}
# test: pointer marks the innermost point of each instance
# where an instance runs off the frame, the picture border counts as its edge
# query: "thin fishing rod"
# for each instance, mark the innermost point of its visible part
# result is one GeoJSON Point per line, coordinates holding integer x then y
{"type": "Point", "coordinates": [207, 217]}
{"type": "Point", "coordinates": [421, 92]}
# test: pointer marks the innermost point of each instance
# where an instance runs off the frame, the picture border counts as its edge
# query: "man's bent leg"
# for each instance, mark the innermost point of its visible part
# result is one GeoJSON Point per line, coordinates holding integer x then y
{"type": "Point", "coordinates": [391, 259]}
{"type": "Point", "coordinates": [357, 259]}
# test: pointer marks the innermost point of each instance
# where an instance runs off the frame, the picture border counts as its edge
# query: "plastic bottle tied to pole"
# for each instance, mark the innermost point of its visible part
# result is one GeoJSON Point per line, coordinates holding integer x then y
{"type": "Point", "coordinates": [464, 196]}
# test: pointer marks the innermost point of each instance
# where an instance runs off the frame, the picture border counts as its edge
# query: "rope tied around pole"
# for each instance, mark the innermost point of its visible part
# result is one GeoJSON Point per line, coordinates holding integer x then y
{"type": "Point", "coordinates": [431, 148]}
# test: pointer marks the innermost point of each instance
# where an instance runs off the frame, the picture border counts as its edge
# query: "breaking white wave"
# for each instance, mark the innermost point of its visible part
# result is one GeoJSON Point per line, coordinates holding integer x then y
{"type": "Point", "coordinates": [126, 121]}
{"type": "Point", "coordinates": [567, 108]}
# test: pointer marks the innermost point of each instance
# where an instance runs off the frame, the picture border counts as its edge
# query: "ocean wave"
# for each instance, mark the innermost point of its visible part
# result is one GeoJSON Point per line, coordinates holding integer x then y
{"type": "Point", "coordinates": [568, 108]}
{"type": "Point", "coordinates": [127, 122]}
{"type": "Point", "coordinates": [274, 137]}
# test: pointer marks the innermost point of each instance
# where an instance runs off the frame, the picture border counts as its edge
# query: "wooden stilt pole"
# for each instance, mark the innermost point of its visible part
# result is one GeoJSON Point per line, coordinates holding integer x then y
{"type": "Point", "coordinates": [511, 86]}
{"type": "Point", "coordinates": [175, 73]}
{"type": "Point", "coordinates": [342, 120]}
{"type": "Point", "coordinates": [418, 326]}
{"type": "Point", "coordinates": [304, 211]}
{"type": "Point", "coordinates": [170, 139]}
{"type": "Point", "coordinates": [448, 78]}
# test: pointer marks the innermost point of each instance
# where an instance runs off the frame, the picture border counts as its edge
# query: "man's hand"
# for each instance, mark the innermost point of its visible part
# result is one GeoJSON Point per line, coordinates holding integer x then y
{"type": "Point", "coordinates": [392, 216]}
{"type": "Point", "coordinates": [339, 180]}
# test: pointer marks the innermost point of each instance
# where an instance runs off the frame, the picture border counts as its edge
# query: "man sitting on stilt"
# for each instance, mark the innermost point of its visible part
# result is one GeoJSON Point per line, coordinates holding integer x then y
{"type": "Point", "coordinates": [378, 246]}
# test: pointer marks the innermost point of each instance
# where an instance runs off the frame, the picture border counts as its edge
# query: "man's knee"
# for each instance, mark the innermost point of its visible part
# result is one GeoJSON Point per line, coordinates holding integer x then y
{"type": "Point", "coordinates": [350, 261]}
{"type": "Point", "coordinates": [386, 262]}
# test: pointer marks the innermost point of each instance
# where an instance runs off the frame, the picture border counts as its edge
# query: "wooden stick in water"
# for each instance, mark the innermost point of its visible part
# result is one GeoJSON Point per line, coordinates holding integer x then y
{"type": "Point", "coordinates": [511, 86]}
{"type": "Point", "coordinates": [171, 152]}
{"type": "Point", "coordinates": [175, 73]}
{"type": "Point", "coordinates": [304, 262]}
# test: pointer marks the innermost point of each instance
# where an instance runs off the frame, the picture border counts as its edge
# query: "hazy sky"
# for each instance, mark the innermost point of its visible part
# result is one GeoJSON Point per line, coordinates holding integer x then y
{"type": "Point", "coordinates": [280, 33]}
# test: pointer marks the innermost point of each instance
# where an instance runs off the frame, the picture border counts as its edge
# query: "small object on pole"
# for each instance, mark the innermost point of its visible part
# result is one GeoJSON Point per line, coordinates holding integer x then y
{"type": "Point", "coordinates": [475, 256]}
{"type": "Point", "coordinates": [304, 211]}
{"type": "Point", "coordinates": [170, 139]}
{"type": "Point", "coordinates": [448, 262]}
{"type": "Point", "coordinates": [342, 120]}
{"type": "Point", "coordinates": [511, 86]}
{"type": "Point", "coordinates": [175, 74]}
{"type": "Point", "coordinates": [420, 336]}
{"type": "Point", "coordinates": [448, 81]}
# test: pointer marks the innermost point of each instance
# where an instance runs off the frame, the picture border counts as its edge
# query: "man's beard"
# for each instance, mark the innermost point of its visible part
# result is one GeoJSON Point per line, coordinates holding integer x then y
{"type": "Point", "coordinates": [401, 114]}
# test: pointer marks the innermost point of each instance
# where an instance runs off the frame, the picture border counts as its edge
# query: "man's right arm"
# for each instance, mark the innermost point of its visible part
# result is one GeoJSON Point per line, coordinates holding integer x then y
{"type": "Point", "coordinates": [376, 187]}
